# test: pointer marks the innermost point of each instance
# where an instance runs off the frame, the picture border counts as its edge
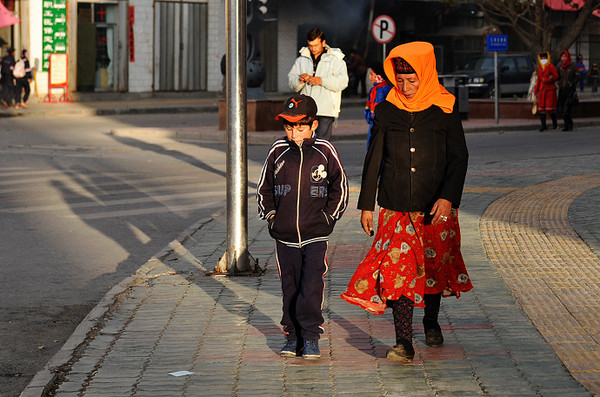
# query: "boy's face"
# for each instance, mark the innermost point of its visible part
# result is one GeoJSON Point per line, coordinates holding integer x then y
{"type": "Point", "coordinates": [299, 132]}
{"type": "Point", "coordinates": [372, 76]}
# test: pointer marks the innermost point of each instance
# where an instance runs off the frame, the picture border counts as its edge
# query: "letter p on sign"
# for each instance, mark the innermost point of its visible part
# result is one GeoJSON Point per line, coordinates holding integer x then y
{"type": "Point", "coordinates": [384, 29]}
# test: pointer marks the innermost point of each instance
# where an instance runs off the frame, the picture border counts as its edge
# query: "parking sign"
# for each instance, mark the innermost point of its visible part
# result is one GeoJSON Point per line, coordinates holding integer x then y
{"type": "Point", "coordinates": [384, 29]}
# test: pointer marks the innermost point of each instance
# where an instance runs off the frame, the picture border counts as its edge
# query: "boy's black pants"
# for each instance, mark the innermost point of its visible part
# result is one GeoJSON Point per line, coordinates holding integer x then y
{"type": "Point", "coordinates": [301, 271]}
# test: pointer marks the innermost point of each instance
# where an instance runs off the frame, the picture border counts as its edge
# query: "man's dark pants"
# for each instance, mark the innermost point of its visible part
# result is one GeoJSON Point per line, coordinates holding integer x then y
{"type": "Point", "coordinates": [325, 127]}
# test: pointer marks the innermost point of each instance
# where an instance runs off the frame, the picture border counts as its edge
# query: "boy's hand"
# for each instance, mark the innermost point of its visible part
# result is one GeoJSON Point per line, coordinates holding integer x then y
{"type": "Point", "coordinates": [366, 220]}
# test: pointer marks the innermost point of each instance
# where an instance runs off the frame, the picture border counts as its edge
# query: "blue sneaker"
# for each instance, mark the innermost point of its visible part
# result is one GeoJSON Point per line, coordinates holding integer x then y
{"type": "Point", "coordinates": [290, 348]}
{"type": "Point", "coordinates": [311, 349]}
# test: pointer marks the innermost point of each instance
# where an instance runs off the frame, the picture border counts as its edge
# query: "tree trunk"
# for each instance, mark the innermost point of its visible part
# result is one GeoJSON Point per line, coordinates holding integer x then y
{"type": "Point", "coordinates": [530, 21]}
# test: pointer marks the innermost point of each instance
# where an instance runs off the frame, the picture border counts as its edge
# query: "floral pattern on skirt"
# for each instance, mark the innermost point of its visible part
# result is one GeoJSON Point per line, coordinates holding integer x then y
{"type": "Point", "coordinates": [445, 269]}
{"type": "Point", "coordinates": [394, 266]}
{"type": "Point", "coordinates": [409, 258]}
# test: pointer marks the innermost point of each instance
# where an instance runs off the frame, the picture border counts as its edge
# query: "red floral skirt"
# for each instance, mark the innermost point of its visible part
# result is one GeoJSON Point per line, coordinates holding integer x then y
{"type": "Point", "coordinates": [409, 258]}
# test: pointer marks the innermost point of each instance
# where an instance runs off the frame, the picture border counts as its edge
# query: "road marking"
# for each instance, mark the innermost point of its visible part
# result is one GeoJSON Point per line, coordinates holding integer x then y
{"type": "Point", "coordinates": [159, 199]}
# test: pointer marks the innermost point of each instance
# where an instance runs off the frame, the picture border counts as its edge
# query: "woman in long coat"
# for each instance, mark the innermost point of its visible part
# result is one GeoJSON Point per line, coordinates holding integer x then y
{"type": "Point", "coordinates": [567, 89]}
{"type": "Point", "coordinates": [415, 165]}
{"type": "Point", "coordinates": [545, 89]}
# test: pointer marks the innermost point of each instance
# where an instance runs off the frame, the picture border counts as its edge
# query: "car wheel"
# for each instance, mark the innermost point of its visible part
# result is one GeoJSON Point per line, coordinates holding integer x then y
{"type": "Point", "coordinates": [491, 91]}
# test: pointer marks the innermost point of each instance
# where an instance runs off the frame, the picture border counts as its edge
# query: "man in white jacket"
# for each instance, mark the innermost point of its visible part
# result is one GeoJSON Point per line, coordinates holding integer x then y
{"type": "Point", "coordinates": [320, 72]}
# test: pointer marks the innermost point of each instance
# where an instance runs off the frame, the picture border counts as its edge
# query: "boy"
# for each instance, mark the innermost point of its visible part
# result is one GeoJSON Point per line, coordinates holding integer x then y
{"type": "Point", "coordinates": [302, 192]}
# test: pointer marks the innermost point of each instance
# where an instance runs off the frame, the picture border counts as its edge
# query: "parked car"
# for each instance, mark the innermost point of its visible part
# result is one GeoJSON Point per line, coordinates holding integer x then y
{"type": "Point", "coordinates": [514, 71]}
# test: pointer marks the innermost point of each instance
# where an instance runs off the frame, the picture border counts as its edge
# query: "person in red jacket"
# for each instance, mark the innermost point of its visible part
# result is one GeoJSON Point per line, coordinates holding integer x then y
{"type": "Point", "coordinates": [545, 89]}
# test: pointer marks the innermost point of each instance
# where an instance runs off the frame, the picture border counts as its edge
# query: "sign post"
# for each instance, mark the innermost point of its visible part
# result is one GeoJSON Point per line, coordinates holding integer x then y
{"type": "Point", "coordinates": [495, 43]}
{"type": "Point", "coordinates": [384, 30]}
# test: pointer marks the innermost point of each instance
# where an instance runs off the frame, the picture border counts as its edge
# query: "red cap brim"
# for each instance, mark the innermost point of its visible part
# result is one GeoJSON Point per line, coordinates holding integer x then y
{"type": "Point", "coordinates": [292, 119]}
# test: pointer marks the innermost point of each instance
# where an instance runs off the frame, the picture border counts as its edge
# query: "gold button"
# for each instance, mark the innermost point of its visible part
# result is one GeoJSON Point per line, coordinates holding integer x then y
{"type": "Point", "coordinates": [412, 129]}
{"type": "Point", "coordinates": [412, 149]}
{"type": "Point", "coordinates": [413, 169]}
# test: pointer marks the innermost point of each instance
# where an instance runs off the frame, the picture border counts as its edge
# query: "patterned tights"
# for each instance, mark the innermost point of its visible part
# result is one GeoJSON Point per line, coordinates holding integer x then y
{"type": "Point", "coordinates": [402, 309]}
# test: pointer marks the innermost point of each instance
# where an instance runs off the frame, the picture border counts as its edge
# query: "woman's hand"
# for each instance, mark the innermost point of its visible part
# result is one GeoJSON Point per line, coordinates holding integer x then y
{"type": "Point", "coordinates": [440, 211]}
{"type": "Point", "coordinates": [366, 220]}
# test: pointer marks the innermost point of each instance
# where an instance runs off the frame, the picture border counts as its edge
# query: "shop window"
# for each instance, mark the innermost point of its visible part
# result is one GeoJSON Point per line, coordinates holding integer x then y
{"type": "Point", "coordinates": [96, 46]}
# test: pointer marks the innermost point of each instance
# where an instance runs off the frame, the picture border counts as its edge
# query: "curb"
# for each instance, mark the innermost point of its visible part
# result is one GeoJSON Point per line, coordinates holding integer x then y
{"type": "Point", "coordinates": [81, 110]}
{"type": "Point", "coordinates": [45, 378]}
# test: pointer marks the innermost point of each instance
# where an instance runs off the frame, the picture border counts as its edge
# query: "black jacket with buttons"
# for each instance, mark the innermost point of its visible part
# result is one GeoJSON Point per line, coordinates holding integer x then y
{"type": "Point", "coordinates": [413, 159]}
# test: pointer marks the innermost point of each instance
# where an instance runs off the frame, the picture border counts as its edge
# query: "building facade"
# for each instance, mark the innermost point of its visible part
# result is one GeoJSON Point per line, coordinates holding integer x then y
{"type": "Point", "coordinates": [147, 46]}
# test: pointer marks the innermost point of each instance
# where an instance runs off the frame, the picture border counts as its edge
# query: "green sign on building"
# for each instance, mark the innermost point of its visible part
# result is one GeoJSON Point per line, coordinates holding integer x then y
{"type": "Point", "coordinates": [54, 29]}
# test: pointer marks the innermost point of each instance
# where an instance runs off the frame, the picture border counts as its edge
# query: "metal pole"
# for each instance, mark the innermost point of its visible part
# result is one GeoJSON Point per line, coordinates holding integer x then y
{"type": "Point", "coordinates": [383, 53]}
{"type": "Point", "coordinates": [496, 93]}
{"type": "Point", "coordinates": [237, 162]}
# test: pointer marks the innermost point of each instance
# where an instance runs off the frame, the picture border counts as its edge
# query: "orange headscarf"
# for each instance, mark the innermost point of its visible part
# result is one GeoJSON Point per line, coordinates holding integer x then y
{"type": "Point", "coordinates": [420, 56]}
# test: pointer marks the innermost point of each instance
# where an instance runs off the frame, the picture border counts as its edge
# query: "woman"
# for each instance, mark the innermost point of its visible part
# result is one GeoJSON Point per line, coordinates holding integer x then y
{"type": "Point", "coordinates": [545, 89]}
{"type": "Point", "coordinates": [380, 89]}
{"type": "Point", "coordinates": [416, 163]}
{"type": "Point", "coordinates": [567, 80]}
{"type": "Point", "coordinates": [23, 83]}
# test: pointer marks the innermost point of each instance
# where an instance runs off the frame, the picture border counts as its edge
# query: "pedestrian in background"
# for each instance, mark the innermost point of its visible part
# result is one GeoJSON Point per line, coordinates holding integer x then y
{"type": "Point", "coordinates": [23, 82]}
{"type": "Point", "coordinates": [545, 90]}
{"type": "Point", "coordinates": [567, 89]}
{"type": "Point", "coordinates": [321, 73]}
{"type": "Point", "coordinates": [415, 166]}
{"type": "Point", "coordinates": [357, 70]}
{"type": "Point", "coordinates": [302, 192]}
{"type": "Point", "coordinates": [594, 74]}
{"type": "Point", "coordinates": [381, 87]}
{"type": "Point", "coordinates": [8, 84]}
{"type": "Point", "coordinates": [582, 72]}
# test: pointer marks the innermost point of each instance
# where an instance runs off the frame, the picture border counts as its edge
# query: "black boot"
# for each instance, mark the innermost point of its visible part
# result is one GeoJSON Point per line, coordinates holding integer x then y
{"type": "Point", "coordinates": [568, 124]}
{"type": "Point", "coordinates": [433, 331]}
{"type": "Point", "coordinates": [403, 351]}
{"type": "Point", "coordinates": [433, 334]}
{"type": "Point", "coordinates": [543, 120]}
{"type": "Point", "coordinates": [554, 121]}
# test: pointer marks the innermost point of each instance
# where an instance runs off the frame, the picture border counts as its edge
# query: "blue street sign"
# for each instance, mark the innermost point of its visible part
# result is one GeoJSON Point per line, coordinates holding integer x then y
{"type": "Point", "coordinates": [497, 42]}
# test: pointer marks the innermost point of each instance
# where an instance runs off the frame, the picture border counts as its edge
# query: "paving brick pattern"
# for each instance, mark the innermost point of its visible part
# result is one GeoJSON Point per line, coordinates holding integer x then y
{"type": "Point", "coordinates": [553, 273]}
{"type": "Point", "coordinates": [225, 330]}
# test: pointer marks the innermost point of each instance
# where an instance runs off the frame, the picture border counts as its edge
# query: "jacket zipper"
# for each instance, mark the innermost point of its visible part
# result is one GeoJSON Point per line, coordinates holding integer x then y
{"type": "Point", "coordinates": [298, 198]}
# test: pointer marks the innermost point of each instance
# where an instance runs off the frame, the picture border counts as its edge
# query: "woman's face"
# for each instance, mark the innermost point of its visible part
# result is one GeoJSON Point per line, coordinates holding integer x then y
{"type": "Point", "coordinates": [408, 84]}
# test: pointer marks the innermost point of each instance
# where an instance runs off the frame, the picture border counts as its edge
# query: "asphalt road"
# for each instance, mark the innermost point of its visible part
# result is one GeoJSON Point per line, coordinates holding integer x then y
{"type": "Point", "coordinates": [82, 210]}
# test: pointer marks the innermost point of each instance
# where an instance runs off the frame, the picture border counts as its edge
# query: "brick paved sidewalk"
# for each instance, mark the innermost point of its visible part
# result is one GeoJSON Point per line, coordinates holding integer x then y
{"type": "Point", "coordinates": [226, 332]}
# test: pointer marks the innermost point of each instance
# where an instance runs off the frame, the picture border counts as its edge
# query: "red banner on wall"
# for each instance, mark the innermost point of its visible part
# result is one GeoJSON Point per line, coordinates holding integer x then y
{"type": "Point", "coordinates": [131, 38]}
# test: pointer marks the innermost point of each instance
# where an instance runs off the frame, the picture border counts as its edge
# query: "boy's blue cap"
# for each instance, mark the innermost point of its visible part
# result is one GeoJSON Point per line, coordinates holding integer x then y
{"type": "Point", "coordinates": [298, 107]}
